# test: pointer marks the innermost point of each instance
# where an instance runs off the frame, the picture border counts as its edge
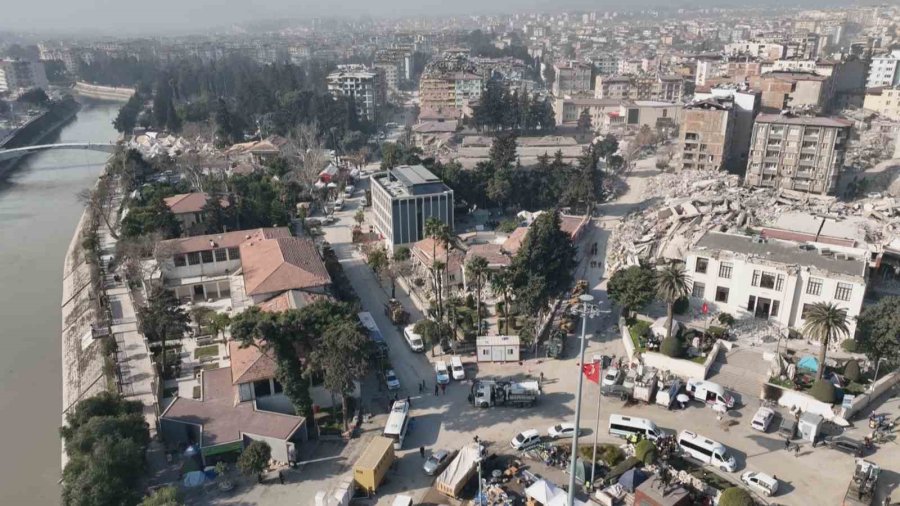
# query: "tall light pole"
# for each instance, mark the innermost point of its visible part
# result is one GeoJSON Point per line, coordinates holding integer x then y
{"type": "Point", "coordinates": [877, 365]}
{"type": "Point", "coordinates": [587, 310]}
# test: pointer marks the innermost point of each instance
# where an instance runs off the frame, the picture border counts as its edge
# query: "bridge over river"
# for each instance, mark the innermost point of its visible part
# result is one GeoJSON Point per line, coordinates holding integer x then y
{"type": "Point", "coordinates": [8, 154]}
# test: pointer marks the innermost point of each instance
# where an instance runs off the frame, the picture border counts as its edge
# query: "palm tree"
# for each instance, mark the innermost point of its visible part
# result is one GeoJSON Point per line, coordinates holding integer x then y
{"type": "Point", "coordinates": [825, 322]}
{"type": "Point", "coordinates": [672, 283]}
{"type": "Point", "coordinates": [477, 270]}
{"type": "Point", "coordinates": [439, 232]}
{"type": "Point", "coordinates": [502, 284]}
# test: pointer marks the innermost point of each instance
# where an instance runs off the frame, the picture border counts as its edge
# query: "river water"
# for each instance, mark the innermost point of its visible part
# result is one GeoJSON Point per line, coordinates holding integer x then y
{"type": "Point", "coordinates": [38, 214]}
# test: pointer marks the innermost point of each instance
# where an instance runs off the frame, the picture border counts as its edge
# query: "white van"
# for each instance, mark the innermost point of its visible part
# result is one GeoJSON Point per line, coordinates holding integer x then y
{"type": "Point", "coordinates": [706, 450]}
{"type": "Point", "coordinates": [338, 204]}
{"type": "Point", "coordinates": [456, 369]}
{"type": "Point", "coordinates": [414, 340]}
{"type": "Point", "coordinates": [624, 426]}
{"type": "Point", "coordinates": [709, 392]}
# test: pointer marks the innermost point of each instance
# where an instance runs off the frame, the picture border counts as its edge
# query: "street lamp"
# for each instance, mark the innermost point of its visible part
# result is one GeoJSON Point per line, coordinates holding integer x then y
{"type": "Point", "coordinates": [587, 310]}
{"type": "Point", "coordinates": [877, 365]}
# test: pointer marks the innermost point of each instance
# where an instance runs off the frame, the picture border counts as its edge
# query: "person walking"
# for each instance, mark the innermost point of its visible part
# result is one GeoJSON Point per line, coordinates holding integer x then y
{"type": "Point", "coordinates": [422, 451]}
{"type": "Point", "coordinates": [796, 450]}
{"type": "Point", "coordinates": [420, 388]}
{"type": "Point", "coordinates": [443, 389]}
{"type": "Point", "coordinates": [281, 477]}
{"type": "Point", "coordinates": [787, 443]}
{"type": "Point", "coordinates": [435, 389]}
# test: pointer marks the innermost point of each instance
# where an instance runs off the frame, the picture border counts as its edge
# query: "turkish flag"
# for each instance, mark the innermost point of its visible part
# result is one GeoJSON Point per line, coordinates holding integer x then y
{"type": "Point", "coordinates": [592, 371]}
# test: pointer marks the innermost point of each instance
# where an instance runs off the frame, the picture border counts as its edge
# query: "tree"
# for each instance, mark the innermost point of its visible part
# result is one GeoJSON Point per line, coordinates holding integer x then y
{"type": "Point", "coordinates": [163, 496]}
{"type": "Point", "coordinates": [851, 370]}
{"type": "Point", "coordinates": [477, 272]}
{"type": "Point", "coordinates": [633, 287]}
{"type": "Point", "coordinates": [672, 283]}
{"type": "Point", "coordinates": [34, 96]}
{"type": "Point", "coordinates": [255, 458]}
{"type": "Point", "coordinates": [502, 284]}
{"type": "Point", "coordinates": [163, 320]}
{"type": "Point", "coordinates": [430, 332]}
{"type": "Point", "coordinates": [126, 119]}
{"type": "Point", "coordinates": [342, 357]}
{"type": "Point", "coordinates": [542, 268]}
{"type": "Point", "coordinates": [878, 330]}
{"type": "Point", "coordinates": [825, 323]}
{"type": "Point", "coordinates": [584, 122]}
{"type": "Point", "coordinates": [378, 260]}
{"type": "Point", "coordinates": [735, 496]}
{"type": "Point", "coordinates": [503, 150]}
{"type": "Point", "coordinates": [439, 232]}
{"type": "Point", "coordinates": [359, 217]}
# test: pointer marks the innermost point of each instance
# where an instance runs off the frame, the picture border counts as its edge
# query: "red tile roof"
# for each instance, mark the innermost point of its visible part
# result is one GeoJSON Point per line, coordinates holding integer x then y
{"type": "Point", "coordinates": [251, 363]}
{"type": "Point", "coordinates": [281, 264]}
{"type": "Point", "coordinates": [215, 241]}
{"type": "Point", "coordinates": [222, 421]}
{"type": "Point", "coordinates": [187, 202]}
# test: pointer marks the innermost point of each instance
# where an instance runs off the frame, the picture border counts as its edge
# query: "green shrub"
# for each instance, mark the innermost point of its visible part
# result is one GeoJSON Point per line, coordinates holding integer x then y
{"type": "Point", "coordinates": [726, 319]}
{"type": "Point", "coordinates": [621, 468]}
{"type": "Point", "coordinates": [823, 391]}
{"type": "Point", "coordinates": [671, 347]}
{"type": "Point", "coordinates": [849, 345]}
{"type": "Point", "coordinates": [607, 453]}
{"type": "Point", "coordinates": [645, 451]}
{"type": "Point", "coordinates": [716, 332]}
{"type": "Point", "coordinates": [681, 306]}
{"type": "Point", "coordinates": [851, 371]}
{"type": "Point", "coordinates": [735, 496]}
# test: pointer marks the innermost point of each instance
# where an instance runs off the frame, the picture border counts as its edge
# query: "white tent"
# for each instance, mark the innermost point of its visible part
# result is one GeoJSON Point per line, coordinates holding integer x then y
{"type": "Point", "coordinates": [659, 327]}
{"type": "Point", "coordinates": [563, 499]}
{"type": "Point", "coordinates": [543, 491]}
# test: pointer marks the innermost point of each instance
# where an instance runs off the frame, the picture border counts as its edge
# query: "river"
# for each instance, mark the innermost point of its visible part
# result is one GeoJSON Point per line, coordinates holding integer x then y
{"type": "Point", "coordinates": [39, 210]}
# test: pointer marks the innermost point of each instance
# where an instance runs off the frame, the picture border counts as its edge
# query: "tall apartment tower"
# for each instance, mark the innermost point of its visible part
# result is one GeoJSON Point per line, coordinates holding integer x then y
{"type": "Point", "coordinates": [797, 152]}
{"type": "Point", "coordinates": [705, 136]}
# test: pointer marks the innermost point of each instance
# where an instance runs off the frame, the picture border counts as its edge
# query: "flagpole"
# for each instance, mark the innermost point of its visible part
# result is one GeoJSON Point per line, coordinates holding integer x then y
{"type": "Point", "coordinates": [587, 311]}
{"type": "Point", "coordinates": [597, 428]}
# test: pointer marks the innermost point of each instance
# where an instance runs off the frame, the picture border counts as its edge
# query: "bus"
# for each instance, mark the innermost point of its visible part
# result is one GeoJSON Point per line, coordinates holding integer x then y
{"type": "Point", "coordinates": [381, 347]}
{"type": "Point", "coordinates": [397, 423]}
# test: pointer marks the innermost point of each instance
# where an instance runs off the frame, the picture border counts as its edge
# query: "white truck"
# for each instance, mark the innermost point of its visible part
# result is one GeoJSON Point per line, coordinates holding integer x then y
{"type": "Point", "coordinates": [645, 387]}
{"type": "Point", "coordinates": [488, 393]}
{"type": "Point", "coordinates": [667, 392]}
{"type": "Point", "coordinates": [459, 471]}
{"type": "Point", "coordinates": [709, 393]}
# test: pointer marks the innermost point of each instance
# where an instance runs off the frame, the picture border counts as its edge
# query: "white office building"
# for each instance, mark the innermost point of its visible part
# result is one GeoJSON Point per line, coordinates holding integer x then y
{"type": "Point", "coordinates": [404, 198]}
{"type": "Point", "coordinates": [774, 279]}
{"type": "Point", "coordinates": [884, 70]}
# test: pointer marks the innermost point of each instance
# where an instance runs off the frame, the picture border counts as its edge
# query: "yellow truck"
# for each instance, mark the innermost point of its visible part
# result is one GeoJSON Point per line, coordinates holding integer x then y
{"type": "Point", "coordinates": [374, 463]}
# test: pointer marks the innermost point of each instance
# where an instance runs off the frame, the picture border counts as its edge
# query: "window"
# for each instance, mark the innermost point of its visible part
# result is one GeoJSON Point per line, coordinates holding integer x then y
{"type": "Point", "coordinates": [262, 388]}
{"type": "Point", "coordinates": [702, 264]}
{"type": "Point", "coordinates": [509, 351]}
{"type": "Point", "coordinates": [755, 281]}
{"type": "Point", "coordinates": [221, 255]}
{"type": "Point", "coordinates": [206, 256]}
{"type": "Point", "coordinates": [697, 290]}
{"type": "Point", "coordinates": [814, 286]}
{"type": "Point", "coordinates": [751, 303]}
{"type": "Point", "coordinates": [774, 310]}
{"type": "Point", "coordinates": [180, 260]}
{"type": "Point", "coordinates": [779, 282]}
{"type": "Point", "coordinates": [805, 310]}
{"type": "Point", "coordinates": [767, 280]}
{"type": "Point", "coordinates": [234, 253]}
{"type": "Point", "coordinates": [193, 258]}
{"type": "Point", "coordinates": [725, 269]}
{"type": "Point", "coordinates": [722, 294]}
{"type": "Point", "coordinates": [843, 291]}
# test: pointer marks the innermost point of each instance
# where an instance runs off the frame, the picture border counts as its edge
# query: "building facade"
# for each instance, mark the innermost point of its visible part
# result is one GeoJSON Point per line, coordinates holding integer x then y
{"type": "Point", "coordinates": [571, 78]}
{"type": "Point", "coordinates": [884, 101]}
{"type": "Point", "coordinates": [884, 70]}
{"type": "Point", "coordinates": [404, 198]}
{"type": "Point", "coordinates": [772, 279]}
{"type": "Point", "coordinates": [745, 107]}
{"type": "Point", "coordinates": [366, 88]}
{"type": "Point", "coordinates": [797, 153]}
{"type": "Point", "coordinates": [704, 139]}
{"type": "Point", "coordinates": [18, 75]}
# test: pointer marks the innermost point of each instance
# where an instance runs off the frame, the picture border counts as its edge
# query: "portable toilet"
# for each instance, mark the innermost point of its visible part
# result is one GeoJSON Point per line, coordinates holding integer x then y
{"type": "Point", "coordinates": [809, 426]}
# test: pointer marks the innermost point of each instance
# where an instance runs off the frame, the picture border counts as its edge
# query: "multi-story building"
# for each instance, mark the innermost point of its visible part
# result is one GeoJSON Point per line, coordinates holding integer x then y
{"type": "Point", "coordinates": [884, 101]}
{"type": "Point", "coordinates": [448, 87]}
{"type": "Point", "coordinates": [704, 139]}
{"type": "Point", "coordinates": [567, 110]}
{"type": "Point", "coordinates": [745, 107]}
{"type": "Point", "coordinates": [784, 89]}
{"type": "Point", "coordinates": [571, 78]}
{"type": "Point", "coordinates": [803, 153]}
{"type": "Point", "coordinates": [642, 87]}
{"type": "Point", "coordinates": [18, 75]}
{"type": "Point", "coordinates": [364, 86]}
{"type": "Point", "coordinates": [773, 279]}
{"type": "Point", "coordinates": [884, 70]}
{"type": "Point", "coordinates": [756, 49]}
{"type": "Point", "coordinates": [404, 198]}
{"type": "Point", "coordinates": [391, 65]}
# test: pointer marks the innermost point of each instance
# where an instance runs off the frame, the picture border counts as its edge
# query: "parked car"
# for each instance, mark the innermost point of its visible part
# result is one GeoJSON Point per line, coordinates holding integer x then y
{"type": "Point", "coordinates": [437, 462]}
{"type": "Point", "coordinates": [760, 482]}
{"type": "Point", "coordinates": [630, 378]}
{"type": "Point", "coordinates": [524, 440]}
{"type": "Point", "coordinates": [844, 444]}
{"type": "Point", "coordinates": [391, 379]}
{"type": "Point", "coordinates": [762, 419]}
{"type": "Point", "coordinates": [613, 376]}
{"type": "Point", "coordinates": [562, 430]}
{"type": "Point", "coordinates": [348, 190]}
{"type": "Point", "coordinates": [442, 374]}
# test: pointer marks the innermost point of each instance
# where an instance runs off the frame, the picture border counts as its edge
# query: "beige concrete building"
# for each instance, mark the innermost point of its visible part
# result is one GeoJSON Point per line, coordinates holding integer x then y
{"type": "Point", "coordinates": [571, 78]}
{"type": "Point", "coordinates": [804, 153]}
{"type": "Point", "coordinates": [884, 101]}
{"type": "Point", "coordinates": [366, 87]}
{"type": "Point", "coordinates": [785, 89]}
{"type": "Point", "coordinates": [704, 140]}
{"type": "Point", "coordinates": [645, 87]}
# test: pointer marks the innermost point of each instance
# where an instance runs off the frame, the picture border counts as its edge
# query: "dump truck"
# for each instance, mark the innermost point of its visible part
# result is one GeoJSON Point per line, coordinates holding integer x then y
{"type": "Point", "coordinates": [374, 463]}
{"type": "Point", "coordinates": [460, 470]}
{"type": "Point", "coordinates": [488, 393]}
{"type": "Point", "coordinates": [645, 387]}
{"type": "Point", "coordinates": [393, 309]}
{"type": "Point", "coordinates": [861, 490]}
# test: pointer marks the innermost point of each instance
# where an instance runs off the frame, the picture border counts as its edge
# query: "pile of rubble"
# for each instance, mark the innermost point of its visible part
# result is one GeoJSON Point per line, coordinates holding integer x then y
{"type": "Point", "coordinates": [694, 202]}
